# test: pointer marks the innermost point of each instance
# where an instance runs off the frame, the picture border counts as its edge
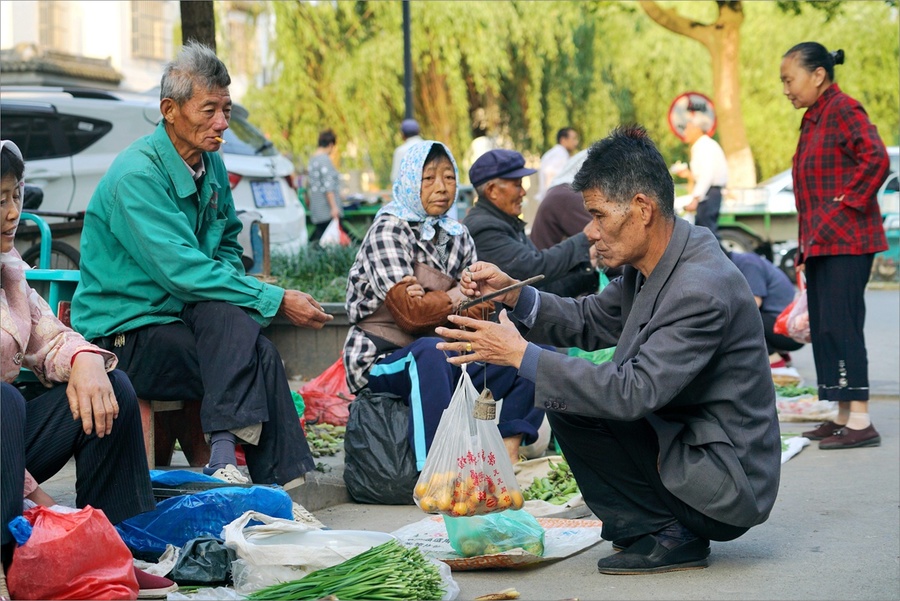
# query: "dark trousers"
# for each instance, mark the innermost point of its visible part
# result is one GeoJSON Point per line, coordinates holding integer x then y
{"type": "Point", "coordinates": [708, 210]}
{"type": "Point", "coordinates": [40, 435]}
{"type": "Point", "coordinates": [421, 371]}
{"type": "Point", "coordinates": [836, 287]}
{"type": "Point", "coordinates": [777, 342]}
{"type": "Point", "coordinates": [615, 465]}
{"type": "Point", "coordinates": [217, 355]}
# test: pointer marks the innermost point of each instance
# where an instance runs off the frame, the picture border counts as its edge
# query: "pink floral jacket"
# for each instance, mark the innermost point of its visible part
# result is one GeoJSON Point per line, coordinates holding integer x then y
{"type": "Point", "coordinates": [30, 334]}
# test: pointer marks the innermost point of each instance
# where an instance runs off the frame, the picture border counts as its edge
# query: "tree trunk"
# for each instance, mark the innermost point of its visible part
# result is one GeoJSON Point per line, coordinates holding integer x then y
{"type": "Point", "coordinates": [723, 41]}
{"type": "Point", "coordinates": [198, 22]}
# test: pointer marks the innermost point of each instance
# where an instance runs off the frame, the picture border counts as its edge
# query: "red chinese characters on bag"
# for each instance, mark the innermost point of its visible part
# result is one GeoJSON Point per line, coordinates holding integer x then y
{"type": "Point", "coordinates": [468, 471]}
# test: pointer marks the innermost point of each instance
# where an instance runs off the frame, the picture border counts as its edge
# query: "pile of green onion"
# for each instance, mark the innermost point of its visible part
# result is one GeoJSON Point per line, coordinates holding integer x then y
{"type": "Point", "coordinates": [389, 572]}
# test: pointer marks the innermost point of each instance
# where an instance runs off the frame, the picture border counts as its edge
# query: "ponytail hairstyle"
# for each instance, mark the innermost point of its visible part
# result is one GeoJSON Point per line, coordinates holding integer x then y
{"type": "Point", "coordinates": [813, 55]}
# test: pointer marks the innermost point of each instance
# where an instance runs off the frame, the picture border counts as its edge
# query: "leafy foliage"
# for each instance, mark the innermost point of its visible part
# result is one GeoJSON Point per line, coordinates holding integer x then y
{"type": "Point", "coordinates": [319, 271]}
{"type": "Point", "coordinates": [518, 71]}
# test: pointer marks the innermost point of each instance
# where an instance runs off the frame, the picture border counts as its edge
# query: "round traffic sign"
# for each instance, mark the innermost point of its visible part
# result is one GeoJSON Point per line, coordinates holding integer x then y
{"type": "Point", "coordinates": [692, 106]}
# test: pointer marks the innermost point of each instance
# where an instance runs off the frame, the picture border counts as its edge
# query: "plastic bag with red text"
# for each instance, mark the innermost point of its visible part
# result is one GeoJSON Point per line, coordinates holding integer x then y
{"type": "Point", "coordinates": [468, 470]}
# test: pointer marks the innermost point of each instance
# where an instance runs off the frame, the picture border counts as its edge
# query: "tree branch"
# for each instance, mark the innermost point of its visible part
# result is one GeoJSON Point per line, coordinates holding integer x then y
{"type": "Point", "coordinates": [671, 20]}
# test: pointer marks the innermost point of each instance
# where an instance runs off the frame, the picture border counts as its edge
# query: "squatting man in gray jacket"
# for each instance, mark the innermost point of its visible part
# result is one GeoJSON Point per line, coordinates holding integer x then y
{"type": "Point", "coordinates": [675, 442]}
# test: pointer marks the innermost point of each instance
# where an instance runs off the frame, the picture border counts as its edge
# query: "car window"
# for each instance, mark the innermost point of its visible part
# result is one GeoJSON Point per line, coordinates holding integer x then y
{"type": "Point", "coordinates": [243, 138]}
{"type": "Point", "coordinates": [81, 132]}
{"type": "Point", "coordinates": [32, 134]}
{"type": "Point", "coordinates": [893, 185]}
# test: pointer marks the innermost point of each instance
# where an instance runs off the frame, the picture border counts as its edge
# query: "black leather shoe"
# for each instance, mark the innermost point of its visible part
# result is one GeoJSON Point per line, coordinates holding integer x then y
{"type": "Point", "coordinates": [647, 556]}
{"type": "Point", "coordinates": [623, 543]}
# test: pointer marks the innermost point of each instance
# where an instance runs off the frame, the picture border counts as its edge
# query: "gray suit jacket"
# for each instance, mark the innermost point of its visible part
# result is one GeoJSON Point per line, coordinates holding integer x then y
{"type": "Point", "coordinates": [690, 359]}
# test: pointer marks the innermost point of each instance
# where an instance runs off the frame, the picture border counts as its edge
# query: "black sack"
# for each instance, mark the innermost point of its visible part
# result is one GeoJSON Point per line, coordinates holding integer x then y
{"type": "Point", "coordinates": [203, 561]}
{"type": "Point", "coordinates": [379, 464]}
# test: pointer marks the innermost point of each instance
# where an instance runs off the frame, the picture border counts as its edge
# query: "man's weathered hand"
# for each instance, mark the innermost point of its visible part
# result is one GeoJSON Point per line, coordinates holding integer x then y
{"type": "Point", "coordinates": [302, 310]}
{"type": "Point", "coordinates": [495, 343]}
{"type": "Point", "coordinates": [91, 396]}
{"type": "Point", "coordinates": [484, 278]}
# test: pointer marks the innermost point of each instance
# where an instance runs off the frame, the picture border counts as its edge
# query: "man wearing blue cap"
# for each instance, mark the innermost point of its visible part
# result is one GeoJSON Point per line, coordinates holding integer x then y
{"type": "Point", "coordinates": [409, 129]}
{"type": "Point", "coordinates": [569, 268]}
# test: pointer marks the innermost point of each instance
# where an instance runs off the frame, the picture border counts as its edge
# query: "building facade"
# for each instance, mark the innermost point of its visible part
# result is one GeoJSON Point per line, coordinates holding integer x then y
{"type": "Point", "coordinates": [121, 44]}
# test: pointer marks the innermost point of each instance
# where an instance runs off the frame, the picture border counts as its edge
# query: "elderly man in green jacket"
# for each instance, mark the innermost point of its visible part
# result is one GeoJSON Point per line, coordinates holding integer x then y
{"type": "Point", "coordinates": [163, 286]}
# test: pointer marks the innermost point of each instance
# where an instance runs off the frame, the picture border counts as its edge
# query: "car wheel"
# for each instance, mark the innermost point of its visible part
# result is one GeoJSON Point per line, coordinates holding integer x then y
{"type": "Point", "coordinates": [737, 241]}
{"type": "Point", "coordinates": [789, 264]}
{"type": "Point", "coordinates": [62, 256]}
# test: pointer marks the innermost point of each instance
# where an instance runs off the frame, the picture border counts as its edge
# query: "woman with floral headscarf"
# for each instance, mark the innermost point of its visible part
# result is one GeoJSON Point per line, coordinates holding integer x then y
{"type": "Point", "coordinates": [403, 284]}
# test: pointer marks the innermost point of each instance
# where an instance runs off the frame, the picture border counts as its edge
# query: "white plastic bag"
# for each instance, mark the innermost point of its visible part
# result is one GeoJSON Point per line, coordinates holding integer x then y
{"type": "Point", "coordinates": [334, 235]}
{"type": "Point", "coordinates": [468, 471]}
{"type": "Point", "coordinates": [279, 551]}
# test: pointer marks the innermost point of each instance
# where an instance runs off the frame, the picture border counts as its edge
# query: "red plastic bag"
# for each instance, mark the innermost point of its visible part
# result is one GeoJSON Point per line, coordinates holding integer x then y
{"type": "Point", "coordinates": [782, 322]}
{"type": "Point", "coordinates": [798, 320]}
{"type": "Point", "coordinates": [328, 397]}
{"type": "Point", "coordinates": [75, 555]}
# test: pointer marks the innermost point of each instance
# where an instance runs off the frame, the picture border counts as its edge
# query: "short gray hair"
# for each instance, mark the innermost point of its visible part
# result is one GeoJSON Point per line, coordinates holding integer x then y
{"type": "Point", "coordinates": [196, 63]}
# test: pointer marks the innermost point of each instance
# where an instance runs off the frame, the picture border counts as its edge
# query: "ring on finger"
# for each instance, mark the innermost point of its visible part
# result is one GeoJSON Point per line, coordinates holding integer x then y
{"type": "Point", "coordinates": [468, 347]}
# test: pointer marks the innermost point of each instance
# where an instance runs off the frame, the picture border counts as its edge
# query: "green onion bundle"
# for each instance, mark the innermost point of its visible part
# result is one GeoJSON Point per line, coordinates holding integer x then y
{"type": "Point", "coordinates": [388, 572]}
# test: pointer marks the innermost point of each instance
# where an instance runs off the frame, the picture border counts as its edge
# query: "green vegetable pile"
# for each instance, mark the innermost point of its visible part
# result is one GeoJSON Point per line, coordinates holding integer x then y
{"type": "Point", "coordinates": [557, 487]}
{"type": "Point", "coordinates": [793, 390]}
{"type": "Point", "coordinates": [389, 572]}
{"type": "Point", "coordinates": [325, 439]}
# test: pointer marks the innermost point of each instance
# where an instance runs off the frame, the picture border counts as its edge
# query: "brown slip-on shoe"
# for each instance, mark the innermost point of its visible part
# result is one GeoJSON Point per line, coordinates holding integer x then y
{"type": "Point", "coordinates": [823, 430]}
{"type": "Point", "coordinates": [648, 556]}
{"type": "Point", "coordinates": [848, 438]}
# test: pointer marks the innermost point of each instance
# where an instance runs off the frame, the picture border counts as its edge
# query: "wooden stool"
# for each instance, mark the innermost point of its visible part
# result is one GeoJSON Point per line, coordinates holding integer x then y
{"type": "Point", "coordinates": [176, 421]}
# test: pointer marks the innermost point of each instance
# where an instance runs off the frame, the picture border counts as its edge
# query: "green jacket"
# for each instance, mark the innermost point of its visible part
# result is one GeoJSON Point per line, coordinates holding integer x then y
{"type": "Point", "coordinates": [152, 243]}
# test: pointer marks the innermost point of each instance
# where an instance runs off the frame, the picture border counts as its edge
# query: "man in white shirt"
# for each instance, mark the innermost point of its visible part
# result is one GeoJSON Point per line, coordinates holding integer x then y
{"type": "Point", "coordinates": [708, 172]}
{"type": "Point", "coordinates": [554, 160]}
{"type": "Point", "coordinates": [410, 131]}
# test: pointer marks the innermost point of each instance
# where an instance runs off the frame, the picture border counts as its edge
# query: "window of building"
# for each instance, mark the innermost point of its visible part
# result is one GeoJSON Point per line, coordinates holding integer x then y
{"type": "Point", "coordinates": [54, 25]}
{"type": "Point", "coordinates": [150, 34]}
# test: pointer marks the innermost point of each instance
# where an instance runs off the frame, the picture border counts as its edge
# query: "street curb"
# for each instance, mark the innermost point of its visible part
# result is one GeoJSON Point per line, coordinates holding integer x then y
{"type": "Point", "coordinates": [321, 491]}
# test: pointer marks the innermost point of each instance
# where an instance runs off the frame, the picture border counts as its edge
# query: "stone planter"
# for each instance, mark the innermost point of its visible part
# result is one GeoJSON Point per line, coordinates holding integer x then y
{"type": "Point", "coordinates": [307, 352]}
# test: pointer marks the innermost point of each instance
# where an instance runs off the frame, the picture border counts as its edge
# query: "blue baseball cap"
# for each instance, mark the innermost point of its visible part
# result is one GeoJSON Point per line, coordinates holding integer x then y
{"type": "Point", "coordinates": [502, 163]}
{"type": "Point", "coordinates": [409, 128]}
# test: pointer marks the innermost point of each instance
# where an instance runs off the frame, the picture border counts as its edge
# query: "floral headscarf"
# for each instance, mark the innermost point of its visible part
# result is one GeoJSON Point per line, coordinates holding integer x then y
{"type": "Point", "coordinates": [407, 200]}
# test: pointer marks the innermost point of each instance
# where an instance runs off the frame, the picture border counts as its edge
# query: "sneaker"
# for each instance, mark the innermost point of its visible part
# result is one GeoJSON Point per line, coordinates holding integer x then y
{"type": "Point", "coordinates": [153, 587]}
{"type": "Point", "coordinates": [230, 473]}
{"type": "Point", "coordinates": [302, 515]}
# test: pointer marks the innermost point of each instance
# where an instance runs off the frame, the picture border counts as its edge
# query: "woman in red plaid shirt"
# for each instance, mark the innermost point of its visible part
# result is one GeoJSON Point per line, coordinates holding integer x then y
{"type": "Point", "coordinates": [839, 165]}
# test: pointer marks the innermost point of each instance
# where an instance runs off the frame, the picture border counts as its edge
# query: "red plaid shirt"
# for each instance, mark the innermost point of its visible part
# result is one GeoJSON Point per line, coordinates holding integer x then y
{"type": "Point", "coordinates": [839, 154]}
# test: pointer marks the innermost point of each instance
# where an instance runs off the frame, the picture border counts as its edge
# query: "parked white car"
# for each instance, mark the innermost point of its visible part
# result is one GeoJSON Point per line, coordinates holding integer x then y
{"type": "Point", "coordinates": [71, 136]}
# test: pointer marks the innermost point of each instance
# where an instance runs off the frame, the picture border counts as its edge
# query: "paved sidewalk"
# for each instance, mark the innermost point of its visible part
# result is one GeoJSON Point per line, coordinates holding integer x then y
{"type": "Point", "coordinates": [834, 532]}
